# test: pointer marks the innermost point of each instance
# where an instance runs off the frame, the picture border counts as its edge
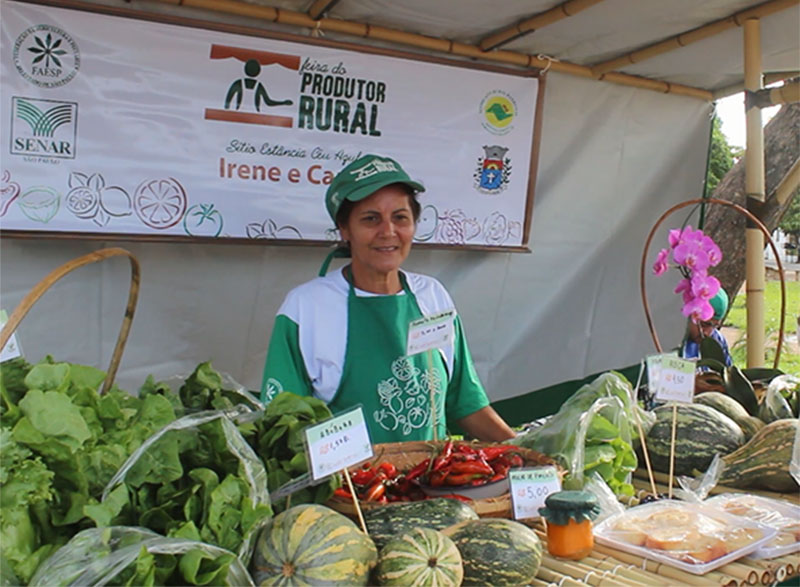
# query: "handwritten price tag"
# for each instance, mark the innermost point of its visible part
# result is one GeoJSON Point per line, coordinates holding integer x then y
{"type": "Point", "coordinates": [430, 332]}
{"type": "Point", "coordinates": [337, 443]}
{"type": "Point", "coordinates": [676, 380]}
{"type": "Point", "coordinates": [529, 489]}
{"type": "Point", "coordinates": [11, 350]}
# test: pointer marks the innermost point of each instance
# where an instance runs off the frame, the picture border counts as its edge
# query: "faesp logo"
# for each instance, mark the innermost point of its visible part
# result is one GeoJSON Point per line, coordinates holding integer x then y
{"type": "Point", "coordinates": [44, 128]}
{"type": "Point", "coordinates": [498, 110]}
{"type": "Point", "coordinates": [493, 170]}
{"type": "Point", "coordinates": [46, 56]}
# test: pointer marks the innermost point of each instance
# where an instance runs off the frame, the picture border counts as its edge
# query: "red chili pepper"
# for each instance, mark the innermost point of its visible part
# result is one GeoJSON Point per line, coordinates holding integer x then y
{"type": "Point", "coordinates": [375, 492]}
{"type": "Point", "coordinates": [497, 477]}
{"type": "Point", "coordinates": [464, 449]}
{"type": "Point", "coordinates": [492, 452]}
{"type": "Point", "coordinates": [443, 457]}
{"type": "Point", "coordinates": [501, 469]}
{"type": "Point", "coordinates": [389, 469]}
{"type": "Point", "coordinates": [516, 460]}
{"type": "Point", "coordinates": [454, 496]}
{"type": "Point", "coordinates": [437, 478]}
{"type": "Point", "coordinates": [462, 479]}
{"type": "Point", "coordinates": [363, 476]}
{"type": "Point", "coordinates": [417, 470]}
{"type": "Point", "coordinates": [479, 466]}
{"type": "Point", "coordinates": [342, 492]}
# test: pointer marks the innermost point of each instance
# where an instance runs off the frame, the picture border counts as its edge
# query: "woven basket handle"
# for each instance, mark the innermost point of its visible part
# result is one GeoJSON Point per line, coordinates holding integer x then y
{"type": "Point", "coordinates": [38, 290]}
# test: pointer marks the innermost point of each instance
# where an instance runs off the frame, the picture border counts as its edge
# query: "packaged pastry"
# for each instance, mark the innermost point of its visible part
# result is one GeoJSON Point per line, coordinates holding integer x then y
{"type": "Point", "coordinates": [692, 536]}
{"type": "Point", "coordinates": [781, 515]}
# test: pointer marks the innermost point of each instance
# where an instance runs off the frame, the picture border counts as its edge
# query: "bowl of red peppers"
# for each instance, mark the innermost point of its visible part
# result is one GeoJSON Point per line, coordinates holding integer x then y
{"type": "Point", "coordinates": [470, 471]}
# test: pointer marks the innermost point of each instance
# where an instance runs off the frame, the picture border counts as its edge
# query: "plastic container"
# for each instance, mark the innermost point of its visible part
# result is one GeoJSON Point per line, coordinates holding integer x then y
{"type": "Point", "coordinates": [569, 516]}
{"type": "Point", "coordinates": [694, 537]}
{"type": "Point", "coordinates": [781, 515]}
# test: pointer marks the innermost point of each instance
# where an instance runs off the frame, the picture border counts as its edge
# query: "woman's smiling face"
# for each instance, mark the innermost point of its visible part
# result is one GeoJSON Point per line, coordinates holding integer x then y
{"type": "Point", "coordinates": [380, 229]}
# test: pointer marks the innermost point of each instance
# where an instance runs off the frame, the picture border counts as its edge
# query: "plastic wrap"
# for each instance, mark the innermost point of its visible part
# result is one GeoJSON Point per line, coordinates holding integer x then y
{"type": "Point", "coordinates": [693, 537]}
{"type": "Point", "coordinates": [593, 431]}
{"type": "Point", "coordinates": [100, 556]}
{"type": "Point", "coordinates": [250, 466]}
{"type": "Point", "coordinates": [783, 516]}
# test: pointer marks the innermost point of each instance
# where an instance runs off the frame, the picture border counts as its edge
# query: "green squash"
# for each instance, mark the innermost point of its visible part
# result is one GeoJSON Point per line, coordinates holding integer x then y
{"type": "Point", "coordinates": [497, 552]}
{"type": "Point", "coordinates": [311, 544]}
{"type": "Point", "coordinates": [421, 557]}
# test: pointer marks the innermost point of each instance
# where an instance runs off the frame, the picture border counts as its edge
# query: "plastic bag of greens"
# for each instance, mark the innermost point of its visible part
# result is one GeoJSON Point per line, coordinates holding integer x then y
{"type": "Point", "coordinates": [594, 430]}
{"type": "Point", "coordinates": [120, 555]}
{"type": "Point", "coordinates": [782, 399]}
{"type": "Point", "coordinates": [197, 472]}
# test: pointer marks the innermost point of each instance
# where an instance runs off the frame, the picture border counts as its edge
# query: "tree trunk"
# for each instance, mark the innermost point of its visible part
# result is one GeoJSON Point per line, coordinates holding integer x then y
{"type": "Point", "coordinates": [725, 225]}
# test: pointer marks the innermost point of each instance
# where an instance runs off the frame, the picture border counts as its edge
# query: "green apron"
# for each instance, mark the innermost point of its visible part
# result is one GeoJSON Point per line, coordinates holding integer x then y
{"type": "Point", "coordinates": [392, 389]}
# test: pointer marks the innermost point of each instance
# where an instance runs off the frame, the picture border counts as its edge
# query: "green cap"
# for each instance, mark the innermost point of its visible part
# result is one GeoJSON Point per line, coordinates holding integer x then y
{"type": "Point", "coordinates": [720, 304]}
{"type": "Point", "coordinates": [362, 178]}
{"type": "Point", "coordinates": [563, 505]}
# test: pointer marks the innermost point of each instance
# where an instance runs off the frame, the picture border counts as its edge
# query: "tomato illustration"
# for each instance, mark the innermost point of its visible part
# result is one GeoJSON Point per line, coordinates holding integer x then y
{"type": "Point", "coordinates": [202, 220]}
{"type": "Point", "coordinates": [160, 203]}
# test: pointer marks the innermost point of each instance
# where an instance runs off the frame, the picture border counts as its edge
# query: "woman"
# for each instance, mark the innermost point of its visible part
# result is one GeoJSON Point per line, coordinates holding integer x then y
{"type": "Point", "coordinates": [342, 337]}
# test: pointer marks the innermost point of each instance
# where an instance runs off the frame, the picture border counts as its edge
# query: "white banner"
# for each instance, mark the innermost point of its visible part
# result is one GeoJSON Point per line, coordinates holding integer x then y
{"type": "Point", "coordinates": [120, 126]}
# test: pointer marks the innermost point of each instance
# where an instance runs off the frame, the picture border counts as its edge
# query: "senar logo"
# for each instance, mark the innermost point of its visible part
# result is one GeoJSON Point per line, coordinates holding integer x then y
{"type": "Point", "coordinates": [46, 56]}
{"type": "Point", "coordinates": [498, 110]}
{"type": "Point", "coordinates": [43, 127]}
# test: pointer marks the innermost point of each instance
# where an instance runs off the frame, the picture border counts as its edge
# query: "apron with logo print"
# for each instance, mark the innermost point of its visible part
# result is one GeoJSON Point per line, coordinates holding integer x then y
{"type": "Point", "coordinates": [394, 390]}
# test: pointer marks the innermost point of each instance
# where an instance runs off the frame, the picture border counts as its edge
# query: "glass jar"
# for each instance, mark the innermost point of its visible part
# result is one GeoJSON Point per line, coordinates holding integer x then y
{"type": "Point", "coordinates": [569, 515]}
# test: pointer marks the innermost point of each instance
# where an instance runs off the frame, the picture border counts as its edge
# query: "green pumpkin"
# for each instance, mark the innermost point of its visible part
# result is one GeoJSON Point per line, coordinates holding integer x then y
{"type": "Point", "coordinates": [422, 557]}
{"type": "Point", "coordinates": [311, 544]}
{"type": "Point", "coordinates": [497, 552]}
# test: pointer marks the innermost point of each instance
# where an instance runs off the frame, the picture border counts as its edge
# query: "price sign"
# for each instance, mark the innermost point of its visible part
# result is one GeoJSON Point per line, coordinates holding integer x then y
{"type": "Point", "coordinates": [654, 369]}
{"type": "Point", "coordinates": [430, 332]}
{"type": "Point", "coordinates": [676, 380]}
{"type": "Point", "coordinates": [11, 350]}
{"type": "Point", "coordinates": [529, 489]}
{"type": "Point", "coordinates": [337, 443]}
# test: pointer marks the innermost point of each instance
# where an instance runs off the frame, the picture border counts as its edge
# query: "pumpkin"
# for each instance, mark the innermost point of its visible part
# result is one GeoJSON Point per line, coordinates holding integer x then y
{"type": "Point", "coordinates": [420, 557]}
{"type": "Point", "coordinates": [311, 544]}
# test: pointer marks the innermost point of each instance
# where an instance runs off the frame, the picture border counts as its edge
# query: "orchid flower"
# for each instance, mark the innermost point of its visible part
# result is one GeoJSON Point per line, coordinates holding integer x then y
{"type": "Point", "coordinates": [685, 286]}
{"type": "Point", "coordinates": [692, 255]}
{"type": "Point", "coordinates": [698, 309]}
{"type": "Point", "coordinates": [661, 265]}
{"type": "Point", "coordinates": [704, 286]}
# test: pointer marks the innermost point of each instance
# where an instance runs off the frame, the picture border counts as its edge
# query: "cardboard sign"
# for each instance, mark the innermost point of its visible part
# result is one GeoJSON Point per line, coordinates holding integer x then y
{"type": "Point", "coordinates": [675, 380]}
{"type": "Point", "coordinates": [337, 443]}
{"type": "Point", "coordinates": [430, 332]}
{"type": "Point", "coordinates": [530, 488]}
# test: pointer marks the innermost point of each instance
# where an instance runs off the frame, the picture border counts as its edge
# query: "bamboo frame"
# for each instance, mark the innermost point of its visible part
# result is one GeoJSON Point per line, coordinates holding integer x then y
{"type": "Point", "coordinates": [692, 36]}
{"type": "Point", "coordinates": [764, 231]}
{"type": "Point", "coordinates": [541, 20]}
{"type": "Point", "coordinates": [754, 191]}
{"type": "Point", "coordinates": [769, 78]}
{"type": "Point", "coordinates": [378, 33]}
{"type": "Point", "coordinates": [320, 7]}
{"type": "Point", "coordinates": [789, 183]}
{"type": "Point", "coordinates": [40, 288]}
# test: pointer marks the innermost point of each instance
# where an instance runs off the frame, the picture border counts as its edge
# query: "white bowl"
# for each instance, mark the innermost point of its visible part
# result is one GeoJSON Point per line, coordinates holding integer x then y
{"type": "Point", "coordinates": [487, 490]}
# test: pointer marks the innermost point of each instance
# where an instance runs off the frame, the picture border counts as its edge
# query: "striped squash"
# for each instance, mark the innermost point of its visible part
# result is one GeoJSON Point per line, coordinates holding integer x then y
{"type": "Point", "coordinates": [731, 408]}
{"type": "Point", "coordinates": [421, 557]}
{"type": "Point", "coordinates": [311, 544]}
{"type": "Point", "coordinates": [701, 432]}
{"type": "Point", "coordinates": [496, 551]}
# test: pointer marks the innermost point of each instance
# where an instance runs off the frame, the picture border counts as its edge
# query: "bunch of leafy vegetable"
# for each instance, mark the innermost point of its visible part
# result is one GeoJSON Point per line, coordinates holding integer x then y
{"type": "Point", "coordinates": [593, 431]}
{"type": "Point", "coordinates": [67, 440]}
{"type": "Point", "coordinates": [120, 555]}
{"type": "Point", "coordinates": [196, 480]}
{"type": "Point", "coordinates": [279, 441]}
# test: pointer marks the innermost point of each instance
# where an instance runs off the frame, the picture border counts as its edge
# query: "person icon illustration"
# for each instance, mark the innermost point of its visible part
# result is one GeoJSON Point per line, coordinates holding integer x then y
{"type": "Point", "coordinates": [252, 68]}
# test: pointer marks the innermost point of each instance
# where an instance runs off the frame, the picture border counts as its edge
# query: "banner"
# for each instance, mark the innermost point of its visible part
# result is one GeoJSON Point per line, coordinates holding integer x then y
{"type": "Point", "coordinates": [120, 126]}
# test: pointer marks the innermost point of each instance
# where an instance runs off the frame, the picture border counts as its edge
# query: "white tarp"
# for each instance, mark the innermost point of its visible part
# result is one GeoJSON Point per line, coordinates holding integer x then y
{"type": "Point", "coordinates": [122, 126]}
{"type": "Point", "coordinates": [612, 160]}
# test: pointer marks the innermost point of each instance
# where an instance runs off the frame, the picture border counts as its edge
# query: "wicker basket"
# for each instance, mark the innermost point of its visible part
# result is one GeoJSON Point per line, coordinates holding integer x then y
{"type": "Point", "coordinates": [404, 455]}
{"type": "Point", "coordinates": [40, 288]}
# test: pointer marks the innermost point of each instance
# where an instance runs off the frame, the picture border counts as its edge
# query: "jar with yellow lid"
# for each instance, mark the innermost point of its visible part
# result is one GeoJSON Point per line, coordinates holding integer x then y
{"type": "Point", "coordinates": [569, 516]}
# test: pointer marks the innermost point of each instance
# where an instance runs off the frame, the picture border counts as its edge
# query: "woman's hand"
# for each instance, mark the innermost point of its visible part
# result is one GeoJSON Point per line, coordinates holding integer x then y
{"type": "Point", "coordinates": [486, 425]}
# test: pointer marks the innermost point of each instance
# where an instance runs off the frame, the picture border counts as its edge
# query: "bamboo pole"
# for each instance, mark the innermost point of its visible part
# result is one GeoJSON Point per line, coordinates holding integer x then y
{"type": "Point", "coordinates": [657, 568]}
{"type": "Point", "coordinates": [303, 20]}
{"type": "Point", "coordinates": [754, 190]}
{"type": "Point", "coordinates": [319, 7]}
{"type": "Point", "coordinates": [555, 577]}
{"type": "Point", "coordinates": [692, 36]}
{"type": "Point", "coordinates": [768, 79]}
{"type": "Point", "coordinates": [789, 183]}
{"type": "Point", "coordinates": [785, 94]}
{"type": "Point", "coordinates": [548, 17]}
